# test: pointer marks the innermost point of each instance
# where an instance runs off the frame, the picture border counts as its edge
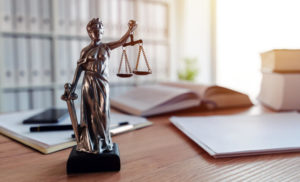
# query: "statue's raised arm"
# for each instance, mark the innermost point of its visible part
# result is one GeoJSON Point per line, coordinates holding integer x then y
{"type": "Point", "coordinates": [132, 25]}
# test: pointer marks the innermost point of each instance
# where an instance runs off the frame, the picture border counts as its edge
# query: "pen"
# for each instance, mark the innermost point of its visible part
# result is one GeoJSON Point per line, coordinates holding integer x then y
{"type": "Point", "coordinates": [66, 127]}
{"type": "Point", "coordinates": [121, 127]}
{"type": "Point", "coordinates": [50, 128]}
{"type": "Point", "coordinates": [122, 123]}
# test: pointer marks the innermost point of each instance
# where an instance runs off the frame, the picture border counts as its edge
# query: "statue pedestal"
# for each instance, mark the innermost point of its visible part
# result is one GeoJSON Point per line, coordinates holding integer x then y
{"type": "Point", "coordinates": [82, 162]}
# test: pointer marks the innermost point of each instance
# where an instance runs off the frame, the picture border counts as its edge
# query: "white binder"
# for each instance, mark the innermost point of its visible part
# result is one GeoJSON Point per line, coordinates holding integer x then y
{"type": "Point", "coordinates": [161, 22]}
{"type": "Point", "coordinates": [58, 102]}
{"type": "Point", "coordinates": [6, 13]}
{"type": "Point", "coordinates": [36, 61]}
{"type": "Point", "coordinates": [9, 74]}
{"type": "Point", "coordinates": [114, 62]}
{"type": "Point", "coordinates": [21, 15]}
{"type": "Point", "coordinates": [61, 16]}
{"type": "Point", "coordinates": [46, 71]}
{"type": "Point", "coordinates": [92, 9]}
{"type": "Point", "coordinates": [9, 101]}
{"type": "Point", "coordinates": [82, 44]}
{"type": "Point", "coordinates": [103, 12]}
{"type": "Point", "coordinates": [72, 16]}
{"type": "Point", "coordinates": [83, 16]}
{"type": "Point", "coordinates": [42, 99]}
{"type": "Point", "coordinates": [45, 15]}
{"type": "Point", "coordinates": [37, 99]}
{"type": "Point", "coordinates": [34, 15]}
{"type": "Point", "coordinates": [74, 56]}
{"type": "Point", "coordinates": [142, 18]}
{"type": "Point", "coordinates": [161, 61]}
{"type": "Point", "coordinates": [22, 100]}
{"type": "Point", "coordinates": [126, 10]}
{"type": "Point", "coordinates": [115, 18]}
{"type": "Point", "coordinates": [62, 62]}
{"type": "Point", "coordinates": [22, 61]}
{"type": "Point", "coordinates": [47, 95]}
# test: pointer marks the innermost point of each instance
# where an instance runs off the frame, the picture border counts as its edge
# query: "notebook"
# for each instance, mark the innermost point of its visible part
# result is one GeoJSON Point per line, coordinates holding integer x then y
{"type": "Point", "coordinates": [243, 135]}
{"type": "Point", "coordinates": [48, 142]}
{"type": "Point", "coordinates": [149, 100]}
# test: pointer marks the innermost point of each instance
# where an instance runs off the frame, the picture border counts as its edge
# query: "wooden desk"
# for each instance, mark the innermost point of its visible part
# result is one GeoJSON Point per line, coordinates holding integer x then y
{"type": "Point", "coordinates": [157, 153]}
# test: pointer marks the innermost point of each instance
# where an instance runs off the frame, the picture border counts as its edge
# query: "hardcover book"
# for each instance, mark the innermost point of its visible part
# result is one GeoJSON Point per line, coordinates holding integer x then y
{"type": "Point", "coordinates": [281, 60]}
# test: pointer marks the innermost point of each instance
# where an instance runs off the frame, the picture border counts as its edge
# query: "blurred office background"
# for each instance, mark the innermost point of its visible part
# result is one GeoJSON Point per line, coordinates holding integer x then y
{"type": "Point", "coordinates": [40, 42]}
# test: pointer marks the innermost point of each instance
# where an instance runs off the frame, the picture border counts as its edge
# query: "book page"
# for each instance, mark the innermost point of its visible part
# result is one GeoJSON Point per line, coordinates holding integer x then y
{"type": "Point", "coordinates": [147, 97]}
{"type": "Point", "coordinates": [225, 136]}
{"type": "Point", "coordinates": [199, 89]}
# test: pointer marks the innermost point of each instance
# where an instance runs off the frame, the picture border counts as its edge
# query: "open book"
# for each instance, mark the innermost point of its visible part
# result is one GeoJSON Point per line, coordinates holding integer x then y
{"type": "Point", "coordinates": [166, 97]}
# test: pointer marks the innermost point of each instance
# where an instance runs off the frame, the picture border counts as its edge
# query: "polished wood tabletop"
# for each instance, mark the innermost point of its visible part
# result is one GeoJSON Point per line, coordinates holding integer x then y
{"type": "Point", "coordinates": [156, 153]}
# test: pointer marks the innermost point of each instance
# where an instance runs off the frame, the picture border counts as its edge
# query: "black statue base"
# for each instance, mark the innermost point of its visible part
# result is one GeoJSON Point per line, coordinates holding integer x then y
{"type": "Point", "coordinates": [82, 162]}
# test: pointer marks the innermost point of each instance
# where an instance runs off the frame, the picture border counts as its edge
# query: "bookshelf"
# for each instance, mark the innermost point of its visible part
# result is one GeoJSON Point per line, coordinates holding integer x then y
{"type": "Point", "coordinates": [40, 42]}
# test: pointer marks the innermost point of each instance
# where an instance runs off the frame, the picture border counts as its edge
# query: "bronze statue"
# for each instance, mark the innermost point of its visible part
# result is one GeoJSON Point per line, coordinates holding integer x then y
{"type": "Point", "coordinates": [92, 135]}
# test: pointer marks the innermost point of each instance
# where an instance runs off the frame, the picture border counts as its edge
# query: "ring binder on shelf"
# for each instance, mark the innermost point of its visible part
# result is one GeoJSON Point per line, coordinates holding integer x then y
{"type": "Point", "coordinates": [6, 13]}
{"type": "Point", "coordinates": [22, 61]}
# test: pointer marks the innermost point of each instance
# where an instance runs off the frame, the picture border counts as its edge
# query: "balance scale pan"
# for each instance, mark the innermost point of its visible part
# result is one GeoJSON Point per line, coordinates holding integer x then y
{"type": "Point", "coordinates": [142, 72]}
{"type": "Point", "coordinates": [124, 75]}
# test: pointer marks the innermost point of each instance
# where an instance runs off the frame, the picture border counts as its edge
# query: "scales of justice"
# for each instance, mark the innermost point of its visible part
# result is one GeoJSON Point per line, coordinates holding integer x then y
{"type": "Point", "coordinates": [95, 150]}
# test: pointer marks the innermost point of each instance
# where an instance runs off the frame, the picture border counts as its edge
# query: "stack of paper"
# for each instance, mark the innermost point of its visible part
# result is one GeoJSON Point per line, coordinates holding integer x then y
{"type": "Point", "coordinates": [240, 135]}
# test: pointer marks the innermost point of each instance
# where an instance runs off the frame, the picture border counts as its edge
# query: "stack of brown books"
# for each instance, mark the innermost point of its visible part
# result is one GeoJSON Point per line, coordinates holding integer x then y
{"type": "Point", "coordinates": [280, 86]}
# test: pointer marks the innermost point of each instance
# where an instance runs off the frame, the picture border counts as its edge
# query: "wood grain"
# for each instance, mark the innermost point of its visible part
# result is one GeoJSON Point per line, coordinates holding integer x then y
{"type": "Point", "coordinates": [157, 153]}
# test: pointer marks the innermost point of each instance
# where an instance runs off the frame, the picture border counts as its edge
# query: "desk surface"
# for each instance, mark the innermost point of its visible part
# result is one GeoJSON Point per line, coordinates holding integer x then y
{"type": "Point", "coordinates": [157, 153]}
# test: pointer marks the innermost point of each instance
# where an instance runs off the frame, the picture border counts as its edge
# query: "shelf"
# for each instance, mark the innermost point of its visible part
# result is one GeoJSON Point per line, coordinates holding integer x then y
{"type": "Point", "coordinates": [62, 44]}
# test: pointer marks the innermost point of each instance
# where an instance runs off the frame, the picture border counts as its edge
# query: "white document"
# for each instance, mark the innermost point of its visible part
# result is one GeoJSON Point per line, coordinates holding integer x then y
{"type": "Point", "coordinates": [36, 63]}
{"type": "Point", "coordinates": [34, 15]}
{"type": "Point", "coordinates": [20, 15]}
{"type": "Point", "coordinates": [46, 70]}
{"type": "Point", "coordinates": [6, 15]}
{"type": "Point", "coordinates": [22, 61]}
{"type": "Point", "coordinates": [241, 135]}
{"type": "Point", "coordinates": [13, 122]}
{"type": "Point", "coordinates": [45, 15]}
{"type": "Point", "coordinates": [9, 73]}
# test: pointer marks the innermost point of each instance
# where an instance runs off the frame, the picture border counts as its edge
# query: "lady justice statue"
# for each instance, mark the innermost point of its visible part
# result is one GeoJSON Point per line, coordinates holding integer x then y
{"type": "Point", "coordinates": [92, 135]}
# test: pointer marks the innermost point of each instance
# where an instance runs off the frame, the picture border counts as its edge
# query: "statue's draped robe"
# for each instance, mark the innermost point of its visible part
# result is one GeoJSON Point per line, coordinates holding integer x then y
{"type": "Point", "coordinates": [95, 117]}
